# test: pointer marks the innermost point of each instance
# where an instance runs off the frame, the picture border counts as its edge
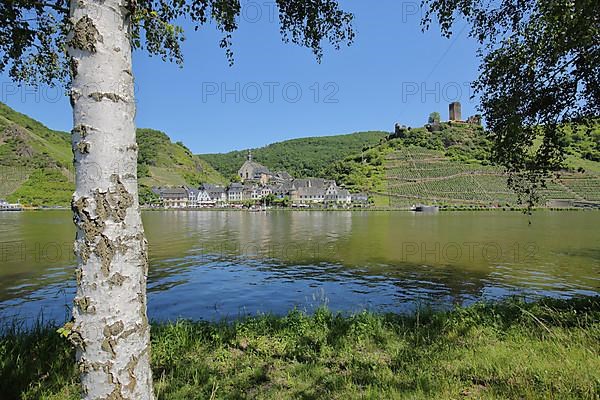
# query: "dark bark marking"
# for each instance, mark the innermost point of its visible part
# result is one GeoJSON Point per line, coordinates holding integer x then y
{"type": "Point", "coordinates": [105, 251]}
{"type": "Point", "coordinates": [142, 301]}
{"type": "Point", "coordinates": [108, 345]}
{"type": "Point", "coordinates": [81, 130]}
{"type": "Point", "coordinates": [91, 227]}
{"type": "Point", "coordinates": [114, 329]}
{"type": "Point", "coordinates": [78, 276]}
{"type": "Point", "coordinates": [116, 279]}
{"type": "Point", "coordinates": [112, 205]}
{"type": "Point", "coordinates": [73, 65]}
{"type": "Point", "coordinates": [130, 367]}
{"type": "Point", "coordinates": [85, 305]}
{"type": "Point", "coordinates": [74, 95]}
{"type": "Point", "coordinates": [74, 336]}
{"type": "Point", "coordinates": [83, 147]}
{"type": "Point", "coordinates": [129, 332]}
{"type": "Point", "coordinates": [98, 96]}
{"type": "Point", "coordinates": [85, 252]}
{"type": "Point", "coordinates": [144, 246]}
{"type": "Point", "coordinates": [116, 394]}
{"type": "Point", "coordinates": [85, 35]}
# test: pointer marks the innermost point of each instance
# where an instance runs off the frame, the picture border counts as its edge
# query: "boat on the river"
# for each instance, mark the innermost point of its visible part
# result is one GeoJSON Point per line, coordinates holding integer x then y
{"type": "Point", "coordinates": [424, 208]}
{"type": "Point", "coordinates": [5, 206]}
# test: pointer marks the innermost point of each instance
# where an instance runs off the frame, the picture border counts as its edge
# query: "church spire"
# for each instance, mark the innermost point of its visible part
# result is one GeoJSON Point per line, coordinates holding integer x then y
{"type": "Point", "coordinates": [250, 155]}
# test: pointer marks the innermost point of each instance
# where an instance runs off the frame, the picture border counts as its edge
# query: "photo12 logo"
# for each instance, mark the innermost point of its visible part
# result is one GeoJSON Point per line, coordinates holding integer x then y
{"type": "Point", "coordinates": [437, 92]}
{"type": "Point", "coordinates": [21, 251]}
{"type": "Point", "coordinates": [270, 92]}
{"type": "Point", "coordinates": [260, 251]}
{"type": "Point", "coordinates": [10, 91]}
{"type": "Point", "coordinates": [411, 11]}
{"type": "Point", "coordinates": [21, 93]}
{"type": "Point", "coordinates": [256, 11]}
{"type": "Point", "coordinates": [458, 252]}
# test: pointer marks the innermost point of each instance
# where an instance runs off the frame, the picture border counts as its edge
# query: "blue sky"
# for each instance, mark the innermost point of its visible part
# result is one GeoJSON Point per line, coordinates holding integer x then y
{"type": "Point", "coordinates": [276, 91]}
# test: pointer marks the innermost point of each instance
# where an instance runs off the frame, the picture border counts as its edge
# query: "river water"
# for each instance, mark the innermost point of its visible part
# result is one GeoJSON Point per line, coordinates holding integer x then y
{"type": "Point", "coordinates": [221, 264]}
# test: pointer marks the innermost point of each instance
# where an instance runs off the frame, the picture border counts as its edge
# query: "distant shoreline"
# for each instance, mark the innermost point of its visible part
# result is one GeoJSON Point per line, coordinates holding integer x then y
{"type": "Point", "coordinates": [375, 209]}
{"type": "Point", "coordinates": [357, 209]}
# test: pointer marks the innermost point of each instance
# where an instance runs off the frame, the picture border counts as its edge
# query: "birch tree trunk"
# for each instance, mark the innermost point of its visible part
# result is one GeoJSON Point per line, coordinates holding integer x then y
{"type": "Point", "coordinates": [110, 328]}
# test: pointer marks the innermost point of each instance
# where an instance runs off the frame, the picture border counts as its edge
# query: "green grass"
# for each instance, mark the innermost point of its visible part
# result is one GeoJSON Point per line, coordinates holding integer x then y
{"type": "Point", "coordinates": [510, 350]}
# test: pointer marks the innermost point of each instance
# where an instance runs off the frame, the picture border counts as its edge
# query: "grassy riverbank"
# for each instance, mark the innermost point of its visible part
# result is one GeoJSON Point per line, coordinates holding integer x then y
{"type": "Point", "coordinates": [510, 350]}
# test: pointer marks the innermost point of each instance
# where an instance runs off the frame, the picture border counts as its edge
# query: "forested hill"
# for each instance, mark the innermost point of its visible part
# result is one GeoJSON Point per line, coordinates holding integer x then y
{"type": "Point", "coordinates": [303, 157]}
{"type": "Point", "coordinates": [446, 165]}
{"type": "Point", "coordinates": [163, 163]}
{"type": "Point", "coordinates": [36, 162]}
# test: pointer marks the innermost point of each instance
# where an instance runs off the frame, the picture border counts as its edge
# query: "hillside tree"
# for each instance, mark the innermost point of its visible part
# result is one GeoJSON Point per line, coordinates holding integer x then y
{"type": "Point", "coordinates": [434, 118]}
{"type": "Point", "coordinates": [539, 75]}
{"type": "Point", "coordinates": [87, 45]}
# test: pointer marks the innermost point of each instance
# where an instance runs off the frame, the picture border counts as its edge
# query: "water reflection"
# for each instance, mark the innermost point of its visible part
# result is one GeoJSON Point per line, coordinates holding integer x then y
{"type": "Point", "coordinates": [224, 264]}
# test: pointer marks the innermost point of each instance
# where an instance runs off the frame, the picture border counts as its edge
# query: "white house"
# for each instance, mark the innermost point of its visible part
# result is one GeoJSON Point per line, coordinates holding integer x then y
{"type": "Point", "coordinates": [337, 195]}
{"type": "Point", "coordinates": [203, 199]}
{"type": "Point", "coordinates": [217, 194]}
{"type": "Point", "coordinates": [235, 192]}
{"type": "Point", "coordinates": [265, 191]}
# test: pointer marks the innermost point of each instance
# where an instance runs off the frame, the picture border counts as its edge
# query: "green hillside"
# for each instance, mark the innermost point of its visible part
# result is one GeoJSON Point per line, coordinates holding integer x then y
{"type": "Point", "coordinates": [448, 164]}
{"type": "Point", "coordinates": [303, 157]}
{"type": "Point", "coordinates": [27, 142]}
{"type": "Point", "coordinates": [451, 166]}
{"type": "Point", "coordinates": [416, 174]}
{"type": "Point", "coordinates": [163, 163]}
{"type": "Point", "coordinates": [36, 162]}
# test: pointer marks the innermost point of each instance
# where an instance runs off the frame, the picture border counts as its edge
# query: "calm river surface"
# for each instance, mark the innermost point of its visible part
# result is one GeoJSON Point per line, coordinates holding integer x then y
{"type": "Point", "coordinates": [215, 265]}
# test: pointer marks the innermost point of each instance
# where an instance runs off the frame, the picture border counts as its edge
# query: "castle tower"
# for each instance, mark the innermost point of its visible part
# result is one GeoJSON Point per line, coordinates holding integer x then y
{"type": "Point", "coordinates": [455, 111]}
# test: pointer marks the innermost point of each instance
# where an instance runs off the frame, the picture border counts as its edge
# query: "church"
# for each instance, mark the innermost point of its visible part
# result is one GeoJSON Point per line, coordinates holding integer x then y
{"type": "Point", "coordinates": [253, 171]}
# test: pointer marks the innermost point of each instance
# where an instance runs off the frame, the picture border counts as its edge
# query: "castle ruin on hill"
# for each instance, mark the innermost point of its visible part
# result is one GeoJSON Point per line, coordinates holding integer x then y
{"type": "Point", "coordinates": [454, 117]}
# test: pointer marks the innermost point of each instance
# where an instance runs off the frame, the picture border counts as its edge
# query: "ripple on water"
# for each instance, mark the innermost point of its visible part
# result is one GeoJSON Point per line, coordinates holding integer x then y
{"type": "Point", "coordinates": [216, 265]}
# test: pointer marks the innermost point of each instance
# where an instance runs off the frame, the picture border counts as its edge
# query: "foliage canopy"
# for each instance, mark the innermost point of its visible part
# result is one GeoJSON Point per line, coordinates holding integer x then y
{"type": "Point", "coordinates": [34, 33]}
{"type": "Point", "coordinates": [539, 72]}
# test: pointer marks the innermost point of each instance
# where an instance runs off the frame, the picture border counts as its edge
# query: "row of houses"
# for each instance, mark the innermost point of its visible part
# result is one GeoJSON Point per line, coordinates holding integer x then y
{"type": "Point", "coordinates": [301, 192]}
{"type": "Point", "coordinates": [259, 183]}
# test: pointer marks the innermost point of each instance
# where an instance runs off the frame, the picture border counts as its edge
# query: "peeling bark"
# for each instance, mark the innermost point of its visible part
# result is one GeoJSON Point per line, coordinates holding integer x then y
{"type": "Point", "coordinates": [111, 96]}
{"type": "Point", "coordinates": [85, 35]}
{"type": "Point", "coordinates": [110, 328]}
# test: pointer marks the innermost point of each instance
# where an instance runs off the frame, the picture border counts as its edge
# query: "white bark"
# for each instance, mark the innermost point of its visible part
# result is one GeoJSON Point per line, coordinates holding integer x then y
{"type": "Point", "coordinates": [110, 327]}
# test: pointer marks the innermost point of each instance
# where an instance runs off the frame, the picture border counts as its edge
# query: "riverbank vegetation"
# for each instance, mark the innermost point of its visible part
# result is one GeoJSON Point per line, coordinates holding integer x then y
{"type": "Point", "coordinates": [507, 350]}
